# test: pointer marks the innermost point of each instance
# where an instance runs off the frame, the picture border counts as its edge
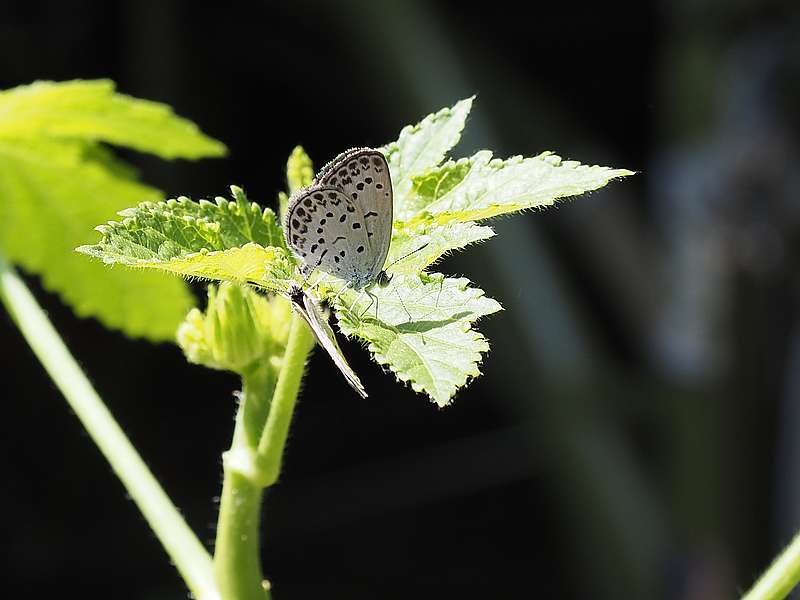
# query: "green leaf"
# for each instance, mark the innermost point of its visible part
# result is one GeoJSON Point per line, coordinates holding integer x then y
{"type": "Point", "coordinates": [421, 147]}
{"type": "Point", "coordinates": [299, 174]}
{"type": "Point", "coordinates": [283, 204]}
{"type": "Point", "coordinates": [299, 170]}
{"type": "Point", "coordinates": [57, 181]}
{"type": "Point", "coordinates": [50, 191]}
{"type": "Point", "coordinates": [415, 249]}
{"type": "Point", "coordinates": [432, 185]}
{"type": "Point", "coordinates": [249, 264]}
{"type": "Point", "coordinates": [92, 110]}
{"type": "Point", "coordinates": [420, 327]}
{"type": "Point", "coordinates": [222, 240]}
{"type": "Point", "coordinates": [480, 187]}
{"type": "Point", "coordinates": [172, 229]}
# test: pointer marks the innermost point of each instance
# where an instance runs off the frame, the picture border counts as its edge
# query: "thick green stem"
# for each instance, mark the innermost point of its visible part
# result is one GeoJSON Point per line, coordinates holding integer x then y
{"type": "Point", "coordinates": [781, 576]}
{"type": "Point", "coordinates": [237, 557]}
{"type": "Point", "coordinates": [273, 438]}
{"type": "Point", "coordinates": [183, 548]}
{"type": "Point", "coordinates": [248, 471]}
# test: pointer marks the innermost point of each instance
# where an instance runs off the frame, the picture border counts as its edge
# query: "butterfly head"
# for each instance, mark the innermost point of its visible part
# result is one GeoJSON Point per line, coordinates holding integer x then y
{"type": "Point", "coordinates": [383, 279]}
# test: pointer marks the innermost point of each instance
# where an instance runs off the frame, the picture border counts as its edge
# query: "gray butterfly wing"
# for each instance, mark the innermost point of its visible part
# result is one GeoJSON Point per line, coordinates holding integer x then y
{"type": "Point", "coordinates": [363, 175]}
{"type": "Point", "coordinates": [325, 228]}
{"type": "Point", "coordinates": [325, 337]}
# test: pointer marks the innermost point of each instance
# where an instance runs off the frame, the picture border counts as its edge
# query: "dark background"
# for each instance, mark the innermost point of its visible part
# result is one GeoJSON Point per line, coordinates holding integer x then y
{"type": "Point", "coordinates": [635, 434]}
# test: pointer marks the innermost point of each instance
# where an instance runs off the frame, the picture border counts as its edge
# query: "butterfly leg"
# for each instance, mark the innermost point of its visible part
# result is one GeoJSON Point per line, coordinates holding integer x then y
{"type": "Point", "coordinates": [373, 299]}
{"type": "Point", "coordinates": [338, 293]}
{"type": "Point", "coordinates": [358, 299]}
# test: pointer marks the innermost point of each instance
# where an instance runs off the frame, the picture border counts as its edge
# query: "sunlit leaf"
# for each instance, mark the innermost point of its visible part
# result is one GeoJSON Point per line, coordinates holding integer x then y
{"type": "Point", "coordinates": [481, 187]}
{"type": "Point", "coordinates": [421, 147]}
{"type": "Point", "coordinates": [421, 328]}
{"type": "Point", "coordinates": [222, 240]}
{"type": "Point", "coordinates": [50, 192]}
{"type": "Point", "coordinates": [92, 110]}
{"type": "Point", "coordinates": [420, 325]}
{"type": "Point", "coordinates": [414, 249]}
{"type": "Point", "coordinates": [299, 170]}
{"type": "Point", "coordinates": [57, 181]}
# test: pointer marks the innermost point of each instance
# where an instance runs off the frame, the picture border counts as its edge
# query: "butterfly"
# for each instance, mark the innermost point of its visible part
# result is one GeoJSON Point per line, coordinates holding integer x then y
{"type": "Point", "coordinates": [342, 223]}
{"type": "Point", "coordinates": [317, 319]}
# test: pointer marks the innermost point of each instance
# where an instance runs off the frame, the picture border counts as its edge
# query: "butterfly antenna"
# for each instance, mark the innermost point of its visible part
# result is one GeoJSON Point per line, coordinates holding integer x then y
{"type": "Point", "coordinates": [405, 256]}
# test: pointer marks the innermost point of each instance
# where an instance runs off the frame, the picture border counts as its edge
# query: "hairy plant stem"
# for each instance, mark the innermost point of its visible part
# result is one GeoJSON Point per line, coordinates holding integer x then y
{"type": "Point", "coordinates": [184, 549]}
{"type": "Point", "coordinates": [273, 438]}
{"type": "Point", "coordinates": [781, 576]}
{"type": "Point", "coordinates": [236, 557]}
{"type": "Point", "coordinates": [252, 464]}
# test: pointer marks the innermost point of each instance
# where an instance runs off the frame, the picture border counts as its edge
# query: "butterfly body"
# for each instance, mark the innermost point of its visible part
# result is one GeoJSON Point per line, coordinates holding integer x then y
{"type": "Point", "coordinates": [342, 222]}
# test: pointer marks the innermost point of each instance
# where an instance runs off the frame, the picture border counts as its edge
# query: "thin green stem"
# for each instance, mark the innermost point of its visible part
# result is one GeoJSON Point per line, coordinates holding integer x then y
{"type": "Point", "coordinates": [781, 576]}
{"type": "Point", "coordinates": [183, 548]}
{"type": "Point", "coordinates": [273, 438]}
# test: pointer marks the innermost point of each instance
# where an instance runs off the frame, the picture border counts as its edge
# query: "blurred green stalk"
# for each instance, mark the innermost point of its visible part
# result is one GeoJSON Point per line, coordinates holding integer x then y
{"type": "Point", "coordinates": [182, 546]}
{"type": "Point", "coordinates": [781, 577]}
